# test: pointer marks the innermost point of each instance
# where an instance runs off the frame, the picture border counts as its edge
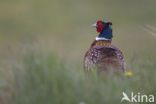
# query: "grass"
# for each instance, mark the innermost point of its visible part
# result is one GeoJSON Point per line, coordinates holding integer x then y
{"type": "Point", "coordinates": [43, 79]}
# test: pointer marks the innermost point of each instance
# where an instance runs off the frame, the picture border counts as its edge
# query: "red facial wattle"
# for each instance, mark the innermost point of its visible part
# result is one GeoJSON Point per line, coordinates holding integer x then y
{"type": "Point", "coordinates": [100, 26]}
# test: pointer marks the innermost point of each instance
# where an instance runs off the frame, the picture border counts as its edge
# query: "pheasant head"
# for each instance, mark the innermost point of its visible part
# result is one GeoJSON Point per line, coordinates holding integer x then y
{"type": "Point", "coordinates": [104, 29]}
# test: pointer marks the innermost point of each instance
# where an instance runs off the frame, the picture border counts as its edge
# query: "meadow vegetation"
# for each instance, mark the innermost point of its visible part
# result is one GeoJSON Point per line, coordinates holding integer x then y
{"type": "Point", "coordinates": [40, 78]}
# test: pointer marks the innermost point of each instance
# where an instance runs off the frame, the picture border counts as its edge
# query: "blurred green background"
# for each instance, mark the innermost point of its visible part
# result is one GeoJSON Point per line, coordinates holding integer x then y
{"type": "Point", "coordinates": [62, 28]}
{"type": "Point", "coordinates": [65, 26]}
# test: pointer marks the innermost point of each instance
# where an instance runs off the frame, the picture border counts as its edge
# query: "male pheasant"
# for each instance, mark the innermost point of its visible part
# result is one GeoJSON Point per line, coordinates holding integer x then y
{"type": "Point", "coordinates": [102, 55]}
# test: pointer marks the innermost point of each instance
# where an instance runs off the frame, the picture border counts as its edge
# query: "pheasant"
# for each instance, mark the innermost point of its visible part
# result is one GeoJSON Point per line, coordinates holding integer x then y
{"type": "Point", "coordinates": [102, 54]}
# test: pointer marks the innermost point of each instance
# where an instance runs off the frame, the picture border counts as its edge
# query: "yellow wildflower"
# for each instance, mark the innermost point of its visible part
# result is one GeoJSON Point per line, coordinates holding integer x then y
{"type": "Point", "coordinates": [128, 74]}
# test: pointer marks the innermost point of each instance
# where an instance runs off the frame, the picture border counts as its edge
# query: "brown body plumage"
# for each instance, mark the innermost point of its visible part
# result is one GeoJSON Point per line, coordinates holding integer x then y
{"type": "Point", "coordinates": [103, 56]}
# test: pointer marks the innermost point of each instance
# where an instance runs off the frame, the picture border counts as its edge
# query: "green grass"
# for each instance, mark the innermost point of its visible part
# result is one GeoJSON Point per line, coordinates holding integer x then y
{"type": "Point", "coordinates": [43, 79]}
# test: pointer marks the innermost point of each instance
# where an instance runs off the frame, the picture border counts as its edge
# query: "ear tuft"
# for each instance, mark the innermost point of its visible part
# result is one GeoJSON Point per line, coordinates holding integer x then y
{"type": "Point", "coordinates": [109, 23]}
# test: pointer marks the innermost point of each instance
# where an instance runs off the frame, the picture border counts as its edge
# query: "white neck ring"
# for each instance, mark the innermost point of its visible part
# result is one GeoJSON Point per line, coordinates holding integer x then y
{"type": "Point", "coordinates": [97, 38]}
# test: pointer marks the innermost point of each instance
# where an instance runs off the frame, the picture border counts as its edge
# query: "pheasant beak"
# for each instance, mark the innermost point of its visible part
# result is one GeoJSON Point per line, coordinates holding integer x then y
{"type": "Point", "coordinates": [94, 25]}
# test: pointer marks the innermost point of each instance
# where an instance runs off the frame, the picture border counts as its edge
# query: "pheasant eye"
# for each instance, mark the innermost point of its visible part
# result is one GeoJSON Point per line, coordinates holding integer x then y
{"type": "Point", "coordinates": [100, 24]}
